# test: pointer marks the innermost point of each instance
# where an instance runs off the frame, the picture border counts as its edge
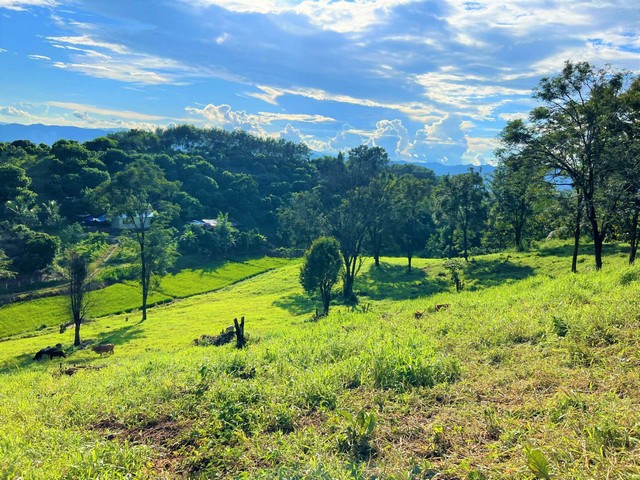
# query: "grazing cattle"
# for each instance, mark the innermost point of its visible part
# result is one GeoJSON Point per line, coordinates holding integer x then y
{"type": "Point", "coordinates": [442, 306]}
{"type": "Point", "coordinates": [106, 348]}
{"type": "Point", "coordinates": [51, 351]}
{"type": "Point", "coordinates": [418, 314]}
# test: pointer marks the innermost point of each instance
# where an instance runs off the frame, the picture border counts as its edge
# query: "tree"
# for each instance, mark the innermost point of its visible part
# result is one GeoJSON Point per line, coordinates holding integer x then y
{"type": "Point", "coordinates": [140, 193]}
{"type": "Point", "coordinates": [379, 211]}
{"type": "Point", "coordinates": [78, 276]}
{"type": "Point", "coordinates": [460, 210]}
{"type": "Point", "coordinates": [321, 268]}
{"type": "Point", "coordinates": [5, 263]}
{"type": "Point", "coordinates": [519, 189]}
{"type": "Point", "coordinates": [349, 222]}
{"type": "Point", "coordinates": [411, 214]}
{"type": "Point", "coordinates": [31, 251]}
{"type": "Point", "coordinates": [575, 132]}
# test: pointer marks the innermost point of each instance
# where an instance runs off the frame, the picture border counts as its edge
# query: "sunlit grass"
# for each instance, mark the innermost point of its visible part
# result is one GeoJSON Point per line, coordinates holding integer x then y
{"type": "Point", "coordinates": [530, 367]}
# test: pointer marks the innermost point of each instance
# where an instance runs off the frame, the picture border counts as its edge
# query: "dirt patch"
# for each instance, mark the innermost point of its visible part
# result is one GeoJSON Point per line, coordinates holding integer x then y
{"type": "Point", "coordinates": [168, 437]}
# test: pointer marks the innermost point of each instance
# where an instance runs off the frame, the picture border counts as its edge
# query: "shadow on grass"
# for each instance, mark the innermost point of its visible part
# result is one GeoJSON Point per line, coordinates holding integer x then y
{"type": "Point", "coordinates": [585, 249]}
{"type": "Point", "coordinates": [394, 282]}
{"type": "Point", "coordinates": [298, 304]}
{"type": "Point", "coordinates": [120, 336]}
{"type": "Point", "coordinates": [492, 273]}
{"type": "Point", "coordinates": [19, 362]}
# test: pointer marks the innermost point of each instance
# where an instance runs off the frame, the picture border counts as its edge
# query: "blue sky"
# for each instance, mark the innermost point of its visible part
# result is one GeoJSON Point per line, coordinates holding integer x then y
{"type": "Point", "coordinates": [430, 81]}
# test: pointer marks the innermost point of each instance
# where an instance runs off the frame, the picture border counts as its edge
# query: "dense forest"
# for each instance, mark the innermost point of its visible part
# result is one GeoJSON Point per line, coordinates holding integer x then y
{"type": "Point", "coordinates": [570, 170]}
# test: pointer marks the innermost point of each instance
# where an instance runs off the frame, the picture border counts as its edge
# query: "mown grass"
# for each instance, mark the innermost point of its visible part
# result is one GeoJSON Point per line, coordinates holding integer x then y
{"type": "Point", "coordinates": [520, 368]}
{"type": "Point", "coordinates": [28, 316]}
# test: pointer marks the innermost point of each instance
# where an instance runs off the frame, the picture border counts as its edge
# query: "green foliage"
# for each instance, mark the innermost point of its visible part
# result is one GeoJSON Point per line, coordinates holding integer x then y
{"type": "Point", "coordinates": [355, 435]}
{"type": "Point", "coordinates": [537, 463]}
{"type": "Point", "coordinates": [29, 250]}
{"type": "Point", "coordinates": [321, 269]}
{"type": "Point", "coordinates": [455, 268]}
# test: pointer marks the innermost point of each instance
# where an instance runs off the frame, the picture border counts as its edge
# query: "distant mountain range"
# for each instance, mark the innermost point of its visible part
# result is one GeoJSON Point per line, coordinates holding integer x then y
{"type": "Point", "coordinates": [441, 169]}
{"type": "Point", "coordinates": [48, 134]}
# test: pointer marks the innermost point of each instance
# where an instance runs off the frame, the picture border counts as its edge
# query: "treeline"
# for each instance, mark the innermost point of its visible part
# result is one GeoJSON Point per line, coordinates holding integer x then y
{"type": "Point", "coordinates": [571, 170]}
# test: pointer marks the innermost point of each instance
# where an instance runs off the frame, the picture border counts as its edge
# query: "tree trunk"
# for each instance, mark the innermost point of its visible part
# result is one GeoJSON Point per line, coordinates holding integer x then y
{"type": "Point", "coordinates": [143, 277]}
{"type": "Point", "coordinates": [376, 259]}
{"type": "Point", "coordinates": [464, 243]}
{"type": "Point", "coordinates": [598, 242]}
{"type": "Point", "coordinates": [518, 234]}
{"type": "Point", "coordinates": [409, 257]}
{"type": "Point", "coordinates": [326, 301]}
{"type": "Point", "coordinates": [598, 236]}
{"type": "Point", "coordinates": [576, 236]}
{"type": "Point", "coordinates": [76, 341]}
{"type": "Point", "coordinates": [241, 341]}
{"type": "Point", "coordinates": [633, 240]}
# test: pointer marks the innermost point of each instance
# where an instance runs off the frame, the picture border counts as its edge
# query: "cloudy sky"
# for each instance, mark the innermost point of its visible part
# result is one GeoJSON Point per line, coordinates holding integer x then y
{"type": "Point", "coordinates": [430, 81]}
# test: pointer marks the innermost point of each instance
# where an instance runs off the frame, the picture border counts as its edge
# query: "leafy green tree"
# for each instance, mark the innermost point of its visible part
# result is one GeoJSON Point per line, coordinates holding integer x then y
{"type": "Point", "coordinates": [140, 193]}
{"type": "Point", "coordinates": [411, 222]}
{"type": "Point", "coordinates": [519, 190]}
{"type": "Point", "coordinates": [378, 198]}
{"type": "Point", "coordinates": [303, 219]}
{"type": "Point", "coordinates": [461, 211]}
{"type": "Point", "coordinates": [321, 269]}
{"type": "Point", "coordinates": [5, 266]}
{"type": "Point", "coordinates": [13, 182]}
{"type": "Point", "coordinates": [575, 133]}
{"type": "Point", "coordinates": [29, 250]}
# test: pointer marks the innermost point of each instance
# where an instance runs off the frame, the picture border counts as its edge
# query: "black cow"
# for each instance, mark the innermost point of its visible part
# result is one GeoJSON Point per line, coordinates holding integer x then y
{"type": "Point", "coordinates": [51, 351]}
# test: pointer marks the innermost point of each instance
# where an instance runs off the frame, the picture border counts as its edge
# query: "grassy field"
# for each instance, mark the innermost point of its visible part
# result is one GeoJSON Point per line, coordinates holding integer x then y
{"type": "Point", "coordinates": [530, 373]}
{"type": "Point", "coordinates": [27, 317]}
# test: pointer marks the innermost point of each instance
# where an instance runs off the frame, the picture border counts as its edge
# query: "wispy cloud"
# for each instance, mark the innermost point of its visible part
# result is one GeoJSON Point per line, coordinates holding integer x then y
{"type": "Point", "coordinates": [20, 5]}
{"type": "Point", "coordinates": [124, 114]}
{"type": "Point", "coordinates": [14, 112]}
{"type": "Point", "coordinates": [39, 57]}
{"type": "Point", "coordinates": [340, 16]}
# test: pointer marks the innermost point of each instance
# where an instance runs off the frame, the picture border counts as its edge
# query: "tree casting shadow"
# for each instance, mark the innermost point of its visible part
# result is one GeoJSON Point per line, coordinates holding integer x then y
{"type": "Point", "coordinates": [395, 283]}
{"type": "Point", "coordinates": [492, 273]}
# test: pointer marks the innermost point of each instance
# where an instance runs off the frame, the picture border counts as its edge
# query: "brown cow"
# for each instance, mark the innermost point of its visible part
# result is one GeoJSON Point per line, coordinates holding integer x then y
{"type": "Point", "coordinates": [418, 314]}
{"type": "Point", "coordinates": [106, 348]}
{"type": "Point", "coordinates": [442, 306]}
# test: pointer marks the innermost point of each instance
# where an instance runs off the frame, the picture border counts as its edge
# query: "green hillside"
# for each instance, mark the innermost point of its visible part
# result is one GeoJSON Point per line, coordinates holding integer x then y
{"type": "Point", "coordinates": [532, 372]}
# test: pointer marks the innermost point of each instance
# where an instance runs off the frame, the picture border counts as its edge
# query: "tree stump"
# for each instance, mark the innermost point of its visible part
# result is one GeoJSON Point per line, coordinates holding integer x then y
{"type": "Point", "coordinates": [241, 341]}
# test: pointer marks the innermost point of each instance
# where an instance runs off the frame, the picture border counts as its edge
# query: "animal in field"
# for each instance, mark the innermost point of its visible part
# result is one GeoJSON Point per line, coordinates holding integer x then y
{"type": "Point", "coordinates": [442, 306]}
{"type": "Point", "coordinates": [106, 348]}
{"type": "Point", "coordinates": [51, 351]}
{"type": "Point", "coordinates": [418, 314]}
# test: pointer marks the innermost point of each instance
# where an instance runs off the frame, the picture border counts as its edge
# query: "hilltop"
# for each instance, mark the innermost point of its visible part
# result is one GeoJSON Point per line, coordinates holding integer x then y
{"type": "Point", "coordinates": [530, 373]}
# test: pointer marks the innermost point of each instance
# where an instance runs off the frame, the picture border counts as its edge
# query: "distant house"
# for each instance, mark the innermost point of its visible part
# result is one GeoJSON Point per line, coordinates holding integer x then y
{"type": "Point", "coordinates": [205, 223]}
{"type": "Point", "coordinates": [122, 222]}
{"type": "Point", "coordinates": [209, 223]}
{"type": "Point", "coordinates": [99, 221]}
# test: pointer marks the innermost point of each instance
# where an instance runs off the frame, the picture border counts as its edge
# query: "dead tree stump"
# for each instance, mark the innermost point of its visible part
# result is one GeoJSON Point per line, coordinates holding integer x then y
{"type": "Point", "coordinates": [241, 341]}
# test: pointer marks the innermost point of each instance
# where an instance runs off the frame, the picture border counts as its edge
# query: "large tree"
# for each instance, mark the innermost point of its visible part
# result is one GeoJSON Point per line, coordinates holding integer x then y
{"type": "Point", "coordinates": [411, 221]}
{"type": "Point", "coordinates": [461, 211]}
{"type": "Point", "coordinates": [140, 193]}
{"type": "Point", "coordinates": [321, 269]}
{"type": "Point", "coordinates": [519, 191]}
{"type": "Point", "coordinates": [574, 132]}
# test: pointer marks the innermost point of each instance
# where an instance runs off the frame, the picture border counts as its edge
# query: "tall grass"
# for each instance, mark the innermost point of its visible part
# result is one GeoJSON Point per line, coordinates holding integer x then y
{"type": "Point", "coordinates": [530, 374]}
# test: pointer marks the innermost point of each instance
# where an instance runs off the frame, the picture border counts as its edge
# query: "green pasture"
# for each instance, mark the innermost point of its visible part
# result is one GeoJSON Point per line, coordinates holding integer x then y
{"type": "Point", "coordinates": [532, 372]}
{"type": "Point", "coordinates": [27, 317]}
